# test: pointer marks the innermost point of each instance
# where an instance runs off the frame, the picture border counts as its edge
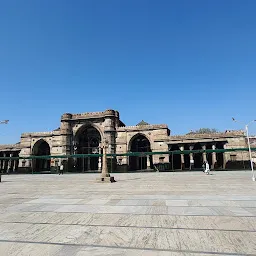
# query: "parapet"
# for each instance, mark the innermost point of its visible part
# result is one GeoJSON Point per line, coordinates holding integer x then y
{"type": "Point", "coordinates": [226, 134]}
{"type": "Point", "coordinates": [88, 115]}
{"type": "Point", "coordinates": [10, 147]}
{"type": "Point", "coordinates": [38, 134]}
{"type": "Point", "coordinates": [142, 127]}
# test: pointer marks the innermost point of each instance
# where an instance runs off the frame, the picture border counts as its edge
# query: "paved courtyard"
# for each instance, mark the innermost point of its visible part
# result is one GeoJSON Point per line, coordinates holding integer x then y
{"type": "Point", "coordinates": [141, 214]}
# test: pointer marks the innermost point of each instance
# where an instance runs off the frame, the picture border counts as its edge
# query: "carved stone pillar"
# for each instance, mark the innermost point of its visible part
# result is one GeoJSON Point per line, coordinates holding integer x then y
{"type": "Point", "coordinates": [225, 156]}
{"type": "Point", "coordinates": [214, 158]}
{"type": "Point", "coordinates": [4, 162]}
{"type": "Point", "coordinates": [182, 158]}
{"type": "Point", "coordinates": [99, 161]}
{"type": "Point", "coordinates": [204, 153]}
{"type": "Point", "coordinates": [1, 164]}
{"type": "Point", "coordinates": [148, 162]}
{"type": "Point", "coordinates": [191, 158]}
{"type": "Point", "coordinates": [10, 163]}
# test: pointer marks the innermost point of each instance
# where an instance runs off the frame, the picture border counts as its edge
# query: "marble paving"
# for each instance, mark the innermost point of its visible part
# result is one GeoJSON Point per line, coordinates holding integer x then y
{"type": "Point", "coordinates": [176, 214]}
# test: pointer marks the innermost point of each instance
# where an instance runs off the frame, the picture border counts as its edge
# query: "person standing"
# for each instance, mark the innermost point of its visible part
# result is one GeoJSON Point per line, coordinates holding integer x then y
{"type": "Point", "coordinates": [192, 162]}
{"type": "Point", "coordinates": [207, 168]}
{"type": "Point", "coordinates": [61, 168]}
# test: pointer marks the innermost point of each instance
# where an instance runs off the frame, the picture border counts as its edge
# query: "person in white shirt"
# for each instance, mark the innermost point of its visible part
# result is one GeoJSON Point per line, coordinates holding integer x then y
{"type": "Point", "coordinates": [61, 168]}
{"type": "Point", "coordinates": [192, 162]}
{"type": "Point", "coordinates": [207, 168]}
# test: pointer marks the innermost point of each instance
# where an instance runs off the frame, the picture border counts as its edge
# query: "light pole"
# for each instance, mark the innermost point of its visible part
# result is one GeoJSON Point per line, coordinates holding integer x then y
{"type": "Point", "coordinates": [3, 122]}
{"type": "Point", "coordinates": [105, 176]}
{"type": "Point", "coordinates": [249, 146]}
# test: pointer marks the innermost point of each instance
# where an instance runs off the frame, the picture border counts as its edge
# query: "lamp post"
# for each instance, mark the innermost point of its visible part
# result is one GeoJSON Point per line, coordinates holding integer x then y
{"type": "Point", "coordinates": [3, 122]}
{"type": "Point", "coordinates": [249, 146]}
{"type": "Point", "coordinates": [105, 176]}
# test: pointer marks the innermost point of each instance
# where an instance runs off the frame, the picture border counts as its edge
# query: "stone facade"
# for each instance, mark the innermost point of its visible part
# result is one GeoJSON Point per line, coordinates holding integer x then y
{"type": "Point", "coordinates": [83, 134]}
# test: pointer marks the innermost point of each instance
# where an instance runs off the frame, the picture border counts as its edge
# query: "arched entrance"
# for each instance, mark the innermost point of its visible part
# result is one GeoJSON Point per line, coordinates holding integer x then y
{"type": "Point", "coordinates": [88, 141]}
{"type": "Point", "coordinates": [198, 157]}
{"type": "Point", "coordinates": [140, 143]}
{"type": "Point", "coordinates": [41, 148]}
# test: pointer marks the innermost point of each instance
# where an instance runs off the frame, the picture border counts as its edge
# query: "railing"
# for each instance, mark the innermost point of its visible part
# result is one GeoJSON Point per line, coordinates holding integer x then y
{"type": "Point", "coordinates": [176, 152]}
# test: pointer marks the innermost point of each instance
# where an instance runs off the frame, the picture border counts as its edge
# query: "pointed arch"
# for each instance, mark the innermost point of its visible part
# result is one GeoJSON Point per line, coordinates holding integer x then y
{"type": "Point", "coordinates": [140, 143]}
{"type": "Point", "coordinates": [41, 148]}
{"type": "Point", "coordinates": [87, 141]}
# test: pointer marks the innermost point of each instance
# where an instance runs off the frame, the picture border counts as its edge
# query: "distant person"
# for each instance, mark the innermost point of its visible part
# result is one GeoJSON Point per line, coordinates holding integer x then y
{"type": "Point", "coordinates": [192, 163]}
{"type": "Point", "coordinates": [207, 168]}
{"type": "Point", "coordinates": [204, 166]}
{"type": "Point", "coordinates": [61, 168]}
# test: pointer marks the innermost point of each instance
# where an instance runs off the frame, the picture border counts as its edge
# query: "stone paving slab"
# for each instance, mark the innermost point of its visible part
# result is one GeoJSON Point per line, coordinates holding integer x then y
{"type": "Point", "coordinates": [141, 214]}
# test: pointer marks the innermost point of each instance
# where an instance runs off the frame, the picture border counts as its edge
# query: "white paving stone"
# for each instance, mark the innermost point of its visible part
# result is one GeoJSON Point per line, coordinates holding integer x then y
{"type": "Point", "coordinates": [140, 214]}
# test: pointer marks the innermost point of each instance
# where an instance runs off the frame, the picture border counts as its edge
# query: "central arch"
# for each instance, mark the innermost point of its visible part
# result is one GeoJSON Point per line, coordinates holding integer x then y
{"type": "Point", "coordinates": [88, 139]}
{"type": "Point", "coordinates": [41, 148]}
{"type": "Point", "coordinates": [140, 143]}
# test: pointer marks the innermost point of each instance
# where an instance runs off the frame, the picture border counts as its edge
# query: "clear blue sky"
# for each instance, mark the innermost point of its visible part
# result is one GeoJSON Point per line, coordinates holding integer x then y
{"type": "Point", "coordinates": [188, 64]}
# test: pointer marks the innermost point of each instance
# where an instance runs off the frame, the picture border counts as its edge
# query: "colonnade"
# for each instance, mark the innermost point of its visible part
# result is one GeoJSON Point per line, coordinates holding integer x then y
{"type": "Point", "coordinates": [215, 159]}
{"type": "Point", "coordinates": [8, 165]}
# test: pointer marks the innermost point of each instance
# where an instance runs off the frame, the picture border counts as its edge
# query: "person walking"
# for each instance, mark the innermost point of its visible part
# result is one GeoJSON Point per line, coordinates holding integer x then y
{"type": "Point", "coordinates": [207, 168]}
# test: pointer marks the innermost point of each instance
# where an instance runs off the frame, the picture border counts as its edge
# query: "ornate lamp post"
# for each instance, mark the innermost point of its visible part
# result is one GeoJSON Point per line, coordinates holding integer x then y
{"type": "Point", "coordinates": [105, 176]}
{"type": "Point", "coordinates": [3, 122]}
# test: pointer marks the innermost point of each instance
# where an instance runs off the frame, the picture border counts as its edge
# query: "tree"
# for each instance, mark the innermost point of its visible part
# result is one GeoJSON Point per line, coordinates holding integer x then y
{"type": "Point", "coordinates": [204, 131]}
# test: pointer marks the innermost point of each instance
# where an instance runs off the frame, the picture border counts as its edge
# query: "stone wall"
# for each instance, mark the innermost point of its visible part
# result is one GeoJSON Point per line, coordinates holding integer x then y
{"type": "Point", "coordinates": [29, 140]}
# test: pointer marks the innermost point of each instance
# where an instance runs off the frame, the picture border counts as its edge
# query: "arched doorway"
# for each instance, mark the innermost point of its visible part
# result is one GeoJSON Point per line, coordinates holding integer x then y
{"type": "Point", "coordinates": [41, 148]}
{"type": "Point", "coordinates": [140, 143]}
{"type": "Point", "coordinates": [175, 159]}
{"type": "Point", "coordinates": [198, 157]}
{"type": "Point", "coordinates": [88, 140]}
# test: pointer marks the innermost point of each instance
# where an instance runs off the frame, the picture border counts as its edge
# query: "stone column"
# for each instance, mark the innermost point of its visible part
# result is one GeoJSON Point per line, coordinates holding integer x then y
{"type": "Point", "coordinates": [182, 158]}
{"type": "Point", "coordinates": [214, 159]}
{"type": "Point", "coordinates": [204, 153]}
{"type": "Point", "coordinates": [148, 162]}
{"type": "Point", "coordinates": [99, 161]}
{"type": "Point", "coordinates": [88, 164]}
{"type": "Point", "coordinates": [4, 162]}
{"type": "Point", "coordinates": [9, 163]}
{"type": "Point", "coordinates": [191, 157]}
{"type": "Point", "coordinates": [1, 164]}
{"type": "Point", "coordinates": [225, 157]}
{"type": "Point", "coordinates": [105, 172]}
